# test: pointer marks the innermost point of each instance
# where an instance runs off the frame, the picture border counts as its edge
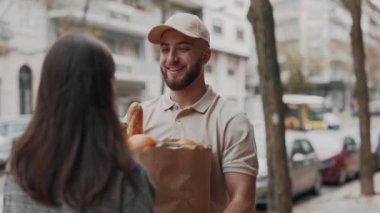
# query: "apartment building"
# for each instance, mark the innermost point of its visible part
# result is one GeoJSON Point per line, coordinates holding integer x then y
{"type": "Point", "coordinates": [371, 22]}
{"type": "Point", "coordinates": [28, 28]}
{"type": "Point", "coordinates": [231, 43]}
{"type": "Point", "coordinates": [320, 32]}
{"type": "Point", "coordinates": [34, 25]}
{"type": "Point", "coordinates": [25, 40]}
{"type": "Point", "coordinates": [123, 26]}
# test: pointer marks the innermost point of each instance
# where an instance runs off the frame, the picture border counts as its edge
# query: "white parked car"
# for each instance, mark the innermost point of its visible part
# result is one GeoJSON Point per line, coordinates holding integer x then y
{"type": "Point", "coordinates": [331, 120]}
{"type": "Point", "coordinates": [303, 162]}
{"type": "Point", "coordinates": [10, 129]}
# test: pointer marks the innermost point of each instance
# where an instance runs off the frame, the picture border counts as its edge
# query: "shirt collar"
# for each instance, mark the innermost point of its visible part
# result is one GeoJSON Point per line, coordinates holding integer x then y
{"type": "Point", "coordinates": [204, 103]}
{"type": "Point", "coordinates": [167, 103]}
{"type": "Point", "coordinates": [200, 106]}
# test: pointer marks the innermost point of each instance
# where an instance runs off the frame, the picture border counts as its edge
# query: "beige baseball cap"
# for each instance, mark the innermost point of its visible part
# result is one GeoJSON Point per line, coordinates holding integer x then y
{"type": "Point", "coordinates": [184, 23]}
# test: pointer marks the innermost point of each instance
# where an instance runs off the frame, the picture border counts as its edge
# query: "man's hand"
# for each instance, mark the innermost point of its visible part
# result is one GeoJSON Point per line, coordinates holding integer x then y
{"type": "Point", "coordinates": [242, 190]}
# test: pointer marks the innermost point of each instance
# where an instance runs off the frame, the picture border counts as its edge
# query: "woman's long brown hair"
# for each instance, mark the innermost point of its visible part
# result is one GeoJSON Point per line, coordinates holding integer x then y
{"type": "Point", "coordinates": [73, 147]}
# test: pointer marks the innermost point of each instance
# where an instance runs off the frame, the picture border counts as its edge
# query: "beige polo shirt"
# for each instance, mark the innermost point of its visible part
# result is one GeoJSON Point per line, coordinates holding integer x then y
{"type": "Point", "coordinates": [213, 121]}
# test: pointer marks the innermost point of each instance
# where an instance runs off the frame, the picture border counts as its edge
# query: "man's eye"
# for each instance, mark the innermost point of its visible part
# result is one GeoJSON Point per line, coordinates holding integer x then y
{"type": "Point", "coordinates": [164, 50]}
{"type": "Point", "coordinates": [184, 49]}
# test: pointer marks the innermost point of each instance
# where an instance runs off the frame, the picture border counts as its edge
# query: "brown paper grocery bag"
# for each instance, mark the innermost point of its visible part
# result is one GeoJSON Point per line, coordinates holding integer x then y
{"type": "Point", "coordinates": [181, 177]}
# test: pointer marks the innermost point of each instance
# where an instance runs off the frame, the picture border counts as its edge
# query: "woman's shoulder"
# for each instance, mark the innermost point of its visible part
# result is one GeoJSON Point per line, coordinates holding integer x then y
{"type": "Point", "coordinates": [138, 191]}
{"type": "Point", "coordinates": [138, 176]}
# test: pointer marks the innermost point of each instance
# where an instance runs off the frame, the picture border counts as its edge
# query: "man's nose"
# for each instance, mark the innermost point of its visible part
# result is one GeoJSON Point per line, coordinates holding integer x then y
{"type": "Point", "coordinates": [172, 56]}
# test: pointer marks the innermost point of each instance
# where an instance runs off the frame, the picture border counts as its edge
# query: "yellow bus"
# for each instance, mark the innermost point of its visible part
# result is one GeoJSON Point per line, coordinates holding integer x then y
{"type": "Point", "coordinates": [304, 112]}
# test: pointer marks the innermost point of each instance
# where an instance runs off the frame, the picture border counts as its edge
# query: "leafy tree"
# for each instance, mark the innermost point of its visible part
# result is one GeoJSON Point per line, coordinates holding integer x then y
{"type": "Point", "coordinates": [298, 81]}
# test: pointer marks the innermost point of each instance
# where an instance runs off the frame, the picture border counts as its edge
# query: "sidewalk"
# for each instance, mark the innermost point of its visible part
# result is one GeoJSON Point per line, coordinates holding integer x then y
{"type": "Point", "coordinates": [346, 199]}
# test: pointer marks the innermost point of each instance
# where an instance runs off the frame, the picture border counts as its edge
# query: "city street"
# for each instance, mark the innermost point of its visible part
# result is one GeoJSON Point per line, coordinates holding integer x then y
{"type": "Point", "coordinates": [320, 58]}
{"type": "Point", "coordinates": [309, 202]}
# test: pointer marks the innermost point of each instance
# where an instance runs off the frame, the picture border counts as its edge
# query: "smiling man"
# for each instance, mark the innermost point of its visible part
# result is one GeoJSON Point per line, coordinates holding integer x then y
{"type": "Point", "coordinates": [191, 109]}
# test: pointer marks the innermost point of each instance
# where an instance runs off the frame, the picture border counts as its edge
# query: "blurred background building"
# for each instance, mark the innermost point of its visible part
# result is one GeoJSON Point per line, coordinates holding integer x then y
{"type": "Point", "coordinates": [314, 47]}
{"type": "Point", "coordinates": [28, 28]}
{"type": "Point", "coordinates": [313, 42]}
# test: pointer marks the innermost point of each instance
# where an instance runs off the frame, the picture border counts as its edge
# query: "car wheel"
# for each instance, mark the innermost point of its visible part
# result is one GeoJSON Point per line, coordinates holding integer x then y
{"type": "Point", "coordinates": [342, 177]}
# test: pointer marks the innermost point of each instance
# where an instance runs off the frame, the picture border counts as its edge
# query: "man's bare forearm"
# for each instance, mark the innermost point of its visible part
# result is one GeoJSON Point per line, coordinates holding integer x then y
{"type": "Point", "coordinates": [242, 190]}
{"type": "Point", "coordinates": [241, 206]}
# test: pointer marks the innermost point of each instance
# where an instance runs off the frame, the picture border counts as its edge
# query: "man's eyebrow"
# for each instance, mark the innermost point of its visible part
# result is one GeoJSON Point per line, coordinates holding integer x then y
{"type": "Point", "coordinates": [179, 43]}
{"type": "Point", "coordinates": [184, 42]}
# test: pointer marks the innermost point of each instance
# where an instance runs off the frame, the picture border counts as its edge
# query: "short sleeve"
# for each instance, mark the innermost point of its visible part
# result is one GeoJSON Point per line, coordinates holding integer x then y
{"type": "Point", "coordinates": [239, 153]}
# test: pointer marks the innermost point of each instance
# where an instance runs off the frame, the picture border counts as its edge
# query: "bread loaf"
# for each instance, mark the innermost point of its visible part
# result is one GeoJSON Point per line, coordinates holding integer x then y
{"type": "Point", "coordinates": [134, 121]}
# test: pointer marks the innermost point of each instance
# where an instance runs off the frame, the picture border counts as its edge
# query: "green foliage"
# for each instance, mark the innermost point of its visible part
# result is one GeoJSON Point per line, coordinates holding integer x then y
{"type": "Point", "coordinates": [297, 82]}
{"type": "Point", "coordinates": [299, 72]}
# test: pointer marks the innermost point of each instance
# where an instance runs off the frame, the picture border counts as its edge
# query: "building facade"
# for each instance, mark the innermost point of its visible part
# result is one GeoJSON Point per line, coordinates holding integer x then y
{"type": "Point", "coordinates": [231, 43]}
{"type": "Point", "coordinates": [28, 28]}
{"type": "Point", "coordinates": [25, 43]}
{"type": "Point", "coordinates": [319, 31]}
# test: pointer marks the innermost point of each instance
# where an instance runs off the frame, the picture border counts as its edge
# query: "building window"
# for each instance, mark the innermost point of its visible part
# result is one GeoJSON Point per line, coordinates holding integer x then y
{"type": "Point", "coordinates": [141, 4]}
{"type": "Point", "coordinates": [239, 34]}
{"type": "Point", "coordinates": [25, 88]}
{"type": "Point", "coordinates": [231, 71]}
{"type": "Point", "coordinates": [233, 65]}
{"type": "Point", "coordinates": [217, 27]}
{"type": "Point", "coordinates": [208, 68]}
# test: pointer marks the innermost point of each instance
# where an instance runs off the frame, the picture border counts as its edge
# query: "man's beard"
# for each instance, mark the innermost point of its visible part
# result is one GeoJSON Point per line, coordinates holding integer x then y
{"type": "Point", "coordinates": [190, 76]}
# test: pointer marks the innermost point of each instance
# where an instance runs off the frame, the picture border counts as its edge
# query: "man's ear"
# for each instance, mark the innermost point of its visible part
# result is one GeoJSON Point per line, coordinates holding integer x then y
{"type": "Point", "coordinates": [206, 56]}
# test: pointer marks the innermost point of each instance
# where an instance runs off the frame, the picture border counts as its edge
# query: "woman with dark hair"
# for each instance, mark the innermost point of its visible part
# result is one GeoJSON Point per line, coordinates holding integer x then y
{"type": "Point", "coordinates": [71, 157]}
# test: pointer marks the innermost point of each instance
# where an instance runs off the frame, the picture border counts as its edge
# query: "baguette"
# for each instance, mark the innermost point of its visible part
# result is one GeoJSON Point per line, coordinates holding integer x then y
{"type": "Point", "coordinates": [134, 120]}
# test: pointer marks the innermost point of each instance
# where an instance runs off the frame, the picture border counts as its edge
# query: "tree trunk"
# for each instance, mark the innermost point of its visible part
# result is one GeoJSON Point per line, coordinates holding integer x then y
{"type": "Point", "coordinates": [84, 17]}
{"type": "Point", "coordinates": [279, 192]}
{"type": "Point", "coordinates": [366, 163]}
{"type": "Point", "coordinates": [164, 10]}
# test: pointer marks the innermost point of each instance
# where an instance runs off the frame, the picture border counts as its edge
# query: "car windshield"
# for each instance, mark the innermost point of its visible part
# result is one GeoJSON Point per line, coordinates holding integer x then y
{"type": "Point", "coordinates": [375, 137]}
{"type": "Point", "coordinates": [316, 113]}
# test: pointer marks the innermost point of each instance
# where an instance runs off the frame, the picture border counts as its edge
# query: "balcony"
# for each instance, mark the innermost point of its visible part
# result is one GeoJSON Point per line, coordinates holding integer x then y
{"type": "Point", "coordinates": [339, 34]}
{"type": "Point", "coordinates": [340, 57]}
{"type": "Point", "coordinates": [131, 14]}
{"type": "Point", "coordinates": [135, 69]}
{"type": "Point", "coordinates": [111, 16]}
{"type": "Point", "coordinates": [138, 74]}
